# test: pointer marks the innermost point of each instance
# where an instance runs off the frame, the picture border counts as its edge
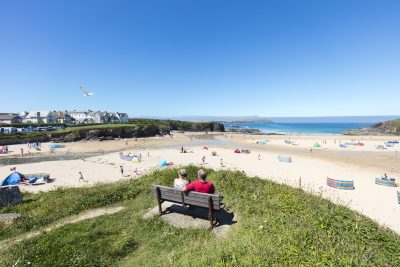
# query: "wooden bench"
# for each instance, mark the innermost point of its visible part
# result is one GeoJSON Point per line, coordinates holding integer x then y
{"type": "Point", "coordinates": [210, 201]}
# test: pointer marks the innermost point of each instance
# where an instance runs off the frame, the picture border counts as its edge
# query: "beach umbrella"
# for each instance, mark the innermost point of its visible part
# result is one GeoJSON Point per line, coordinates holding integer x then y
{"type": "Point", "coordinates": [163, 163]}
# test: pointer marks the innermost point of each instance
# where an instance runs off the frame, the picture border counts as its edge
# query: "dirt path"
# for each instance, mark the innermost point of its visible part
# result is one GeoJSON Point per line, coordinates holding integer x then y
{"type": "Point", "coordinates": [90, 214]}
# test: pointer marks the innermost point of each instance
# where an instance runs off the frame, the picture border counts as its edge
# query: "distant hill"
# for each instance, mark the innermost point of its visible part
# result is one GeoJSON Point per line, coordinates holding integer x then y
{"type": "Point", "coordinates": [391, 127]}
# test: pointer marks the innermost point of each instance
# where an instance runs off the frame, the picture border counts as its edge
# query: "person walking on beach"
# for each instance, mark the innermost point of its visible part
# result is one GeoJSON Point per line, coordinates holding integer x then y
{"type": "Point", "coordinates": [259, 157]}
{"type": "Point", "coordinates": [221, 163]}
{"type": "Point", "coordinates": [203, 159]}
{"type": "Point", "coordinates": [22, 152]}
{"type": "Point", "coordinates": [122, 171]}
{"type": "Point", "coordinates": [81, 177]}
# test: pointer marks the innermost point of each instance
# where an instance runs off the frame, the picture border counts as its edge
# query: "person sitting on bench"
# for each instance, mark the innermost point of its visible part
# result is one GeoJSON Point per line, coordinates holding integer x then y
{"type": "Point", "coordinates": [201, 185]}
{"type": "Point", "coordinates": [181, 181]}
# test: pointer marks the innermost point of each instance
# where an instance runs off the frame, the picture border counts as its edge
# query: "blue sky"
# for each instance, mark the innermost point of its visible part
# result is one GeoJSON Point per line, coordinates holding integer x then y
{"type": "Point", "coordinates": [186, 57]}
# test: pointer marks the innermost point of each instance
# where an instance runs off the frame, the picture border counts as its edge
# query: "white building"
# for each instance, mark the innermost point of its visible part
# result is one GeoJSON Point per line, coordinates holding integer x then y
{"type": "Point", "coordinates": [81, 116]}
{"type": "Point", "coordinates": [88, 116]}
{"type": "Point", "coordinates": [40, 117]}
{"type": "Point", "coordinates": [123, 117]}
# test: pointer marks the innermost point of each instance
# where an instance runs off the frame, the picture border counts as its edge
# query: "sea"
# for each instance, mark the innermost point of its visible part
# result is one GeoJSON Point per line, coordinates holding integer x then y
{"type": "Point", "coordinates": [310, 128]}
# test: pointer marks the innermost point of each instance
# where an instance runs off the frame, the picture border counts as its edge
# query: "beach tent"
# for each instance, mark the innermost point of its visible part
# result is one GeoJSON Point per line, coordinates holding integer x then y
{"type": "Point", "coordinates": [53, 146]}
{"type": "Point", "coordinates": [386, 182]}
{"type": "Point", "coordinates": [317, 145]}
{"type": "Point", "coordinates": [206, 148]}
{"type": "Point", "coordinates": [13, 179]}
{"type": "Point", "coordinates": [262, 142]}
{"type": "Point", "coordinates": [135, 160]}
{"type": "Point", "coordinates": [342, 146]}
{"type": "Point", "coordinates": [163, 163]}
{"type": "Point", "coordinates": [360, 144]}
{"type": "Point", "coordinates": [285, 159]}
{"type": "Point", "coordinates": [237, 150]}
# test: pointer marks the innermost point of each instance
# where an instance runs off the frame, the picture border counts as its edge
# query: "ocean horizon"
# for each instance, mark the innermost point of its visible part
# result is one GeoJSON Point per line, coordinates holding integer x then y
{"type": "Point", "coordinates": [309, 128]}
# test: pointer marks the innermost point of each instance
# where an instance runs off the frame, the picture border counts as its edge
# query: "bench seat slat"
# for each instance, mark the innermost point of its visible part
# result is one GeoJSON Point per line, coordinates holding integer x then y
{"type": "Point", "coordinates": [190, 201]}
{"type": "Point", "coordinates": [193, 203]}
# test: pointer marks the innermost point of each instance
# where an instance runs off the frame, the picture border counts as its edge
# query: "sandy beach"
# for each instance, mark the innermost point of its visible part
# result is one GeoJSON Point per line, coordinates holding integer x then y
{"type": "Point", "coordinates": [100, 162]}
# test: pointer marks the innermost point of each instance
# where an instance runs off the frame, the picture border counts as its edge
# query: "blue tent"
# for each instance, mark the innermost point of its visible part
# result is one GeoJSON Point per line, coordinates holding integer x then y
{"type": "Point", "coordinates": [163, 163]}
{"type": "Point", "coordinates": [13, 179]}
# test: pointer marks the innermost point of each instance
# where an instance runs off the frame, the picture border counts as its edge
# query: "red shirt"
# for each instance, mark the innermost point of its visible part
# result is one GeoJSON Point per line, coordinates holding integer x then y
{"type": "Point", "coordinates": [201, 187]}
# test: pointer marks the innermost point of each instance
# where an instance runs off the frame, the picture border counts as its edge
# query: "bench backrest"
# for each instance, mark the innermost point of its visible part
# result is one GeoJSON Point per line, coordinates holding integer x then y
{"type": "Point", "coordinates": [190, 198]}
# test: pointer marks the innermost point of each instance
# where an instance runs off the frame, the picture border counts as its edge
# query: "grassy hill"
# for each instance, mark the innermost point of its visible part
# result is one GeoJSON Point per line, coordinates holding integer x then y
{"type": "Point", "coordinates": [277, 225]}
{"type": "Point", "coordinates": [135, 128]}
{"type": "Point", "coordinates": [391, 127]}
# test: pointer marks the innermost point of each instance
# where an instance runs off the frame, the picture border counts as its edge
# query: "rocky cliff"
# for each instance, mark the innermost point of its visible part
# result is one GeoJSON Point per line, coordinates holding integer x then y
{"type": "Point", "coordinates": [391, 127]}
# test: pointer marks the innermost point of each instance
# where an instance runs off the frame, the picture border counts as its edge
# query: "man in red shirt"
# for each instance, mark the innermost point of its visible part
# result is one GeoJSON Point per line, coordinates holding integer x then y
{"type": "Point", "coordinates": [201, 185]}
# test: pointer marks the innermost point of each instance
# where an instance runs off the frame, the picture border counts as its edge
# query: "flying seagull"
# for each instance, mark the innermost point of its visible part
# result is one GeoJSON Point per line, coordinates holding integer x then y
{"type": "Point", "coordinates": [86, 93]}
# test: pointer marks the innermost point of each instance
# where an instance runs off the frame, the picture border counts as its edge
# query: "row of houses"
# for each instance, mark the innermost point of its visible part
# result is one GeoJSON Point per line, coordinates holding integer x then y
{"type": "Point", "coordinates": [66, 117]}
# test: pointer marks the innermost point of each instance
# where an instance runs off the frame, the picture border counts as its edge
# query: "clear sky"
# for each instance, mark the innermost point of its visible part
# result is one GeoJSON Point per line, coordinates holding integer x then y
{"type": "Point", "coordinates": [189, 57]}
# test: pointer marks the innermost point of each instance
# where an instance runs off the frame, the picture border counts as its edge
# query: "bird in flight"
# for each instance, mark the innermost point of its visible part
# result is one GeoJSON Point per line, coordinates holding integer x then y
{"type": "Point", "coordinates": [86, 93]}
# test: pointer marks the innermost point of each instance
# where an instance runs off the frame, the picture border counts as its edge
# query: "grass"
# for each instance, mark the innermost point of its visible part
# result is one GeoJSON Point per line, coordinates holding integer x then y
{"type": "Point", "coordinates": [147, 125]}
{"type": "Point", "coordinates": [277, 225]}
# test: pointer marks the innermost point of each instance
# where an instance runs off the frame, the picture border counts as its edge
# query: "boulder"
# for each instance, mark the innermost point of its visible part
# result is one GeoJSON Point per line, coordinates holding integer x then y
{"type": "Point", "coordinates": [10, 195]}
{"type": "Point", "coordinates": [9, 218]}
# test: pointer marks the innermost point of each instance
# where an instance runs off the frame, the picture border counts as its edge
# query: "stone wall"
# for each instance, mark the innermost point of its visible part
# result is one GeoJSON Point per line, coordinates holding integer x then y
{"type": "Point", "coordinates": [10, 195]}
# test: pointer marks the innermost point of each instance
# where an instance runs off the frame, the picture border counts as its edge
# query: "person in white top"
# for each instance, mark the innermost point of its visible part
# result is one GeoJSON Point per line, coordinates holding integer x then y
{"type": "Point", "coordinates": [181, 181]}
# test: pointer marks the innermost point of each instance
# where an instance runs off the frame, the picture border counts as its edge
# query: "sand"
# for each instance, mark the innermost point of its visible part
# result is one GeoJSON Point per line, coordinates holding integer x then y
{"type": "Point", "coordinates": [362, 164]}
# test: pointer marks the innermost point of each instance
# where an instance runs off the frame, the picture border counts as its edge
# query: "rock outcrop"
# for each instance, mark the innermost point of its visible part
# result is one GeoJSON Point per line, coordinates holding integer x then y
{"type": "Point", "coordinates": [9, 195]}
{"type": "Point", "coordinates": [391, 127]}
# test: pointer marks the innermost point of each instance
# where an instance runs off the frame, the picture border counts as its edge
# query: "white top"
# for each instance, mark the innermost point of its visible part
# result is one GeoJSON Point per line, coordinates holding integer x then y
{"type": "Point", "coordinates": [179, 184]}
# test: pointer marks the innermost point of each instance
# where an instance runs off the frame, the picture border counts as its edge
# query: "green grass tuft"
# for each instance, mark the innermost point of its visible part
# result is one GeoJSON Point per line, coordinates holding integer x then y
{"type": "Point", "coordinates": [277, 225]}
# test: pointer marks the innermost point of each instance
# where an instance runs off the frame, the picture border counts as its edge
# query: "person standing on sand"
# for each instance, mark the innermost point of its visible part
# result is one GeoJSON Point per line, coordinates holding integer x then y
{"type": "Point", "coordinates": [259, 157]}
{"type": "Point", "coordinates": [122, 171]}
{"type": "Point", "coordinates": [221, 163]}
{"type": "Point", "coordinates": [22, 152]}
{"type": "Point", "coordinates": [203, 159]}
{"type": "Point", "coordinates": [81, 177]}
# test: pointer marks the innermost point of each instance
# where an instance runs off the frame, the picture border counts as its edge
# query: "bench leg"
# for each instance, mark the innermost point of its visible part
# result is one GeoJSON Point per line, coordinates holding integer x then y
{"type": "Point", "coordinates": [159, 200]}
{"type": "Point", "coordinates": [211, 212]}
